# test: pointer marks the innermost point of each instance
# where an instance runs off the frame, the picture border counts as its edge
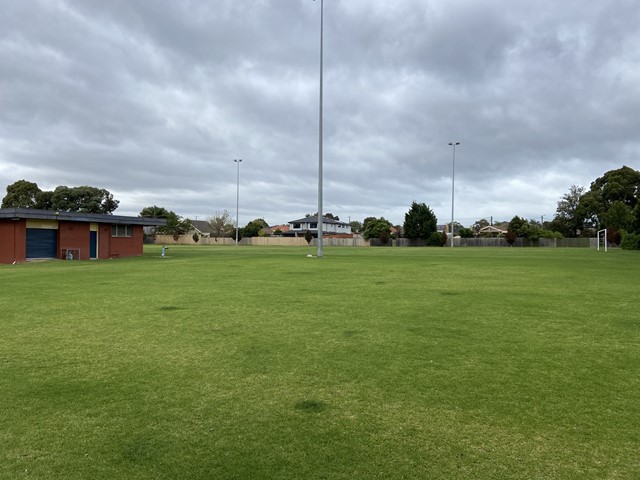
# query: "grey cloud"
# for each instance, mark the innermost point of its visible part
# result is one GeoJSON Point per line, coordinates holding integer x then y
{"type": "Point", "coordinates": [153, 100]}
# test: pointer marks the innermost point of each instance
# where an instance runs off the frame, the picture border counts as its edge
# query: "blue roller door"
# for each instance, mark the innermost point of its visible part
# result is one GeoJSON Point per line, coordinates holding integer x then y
{"type": "Point", "coordinates": [41, 243]}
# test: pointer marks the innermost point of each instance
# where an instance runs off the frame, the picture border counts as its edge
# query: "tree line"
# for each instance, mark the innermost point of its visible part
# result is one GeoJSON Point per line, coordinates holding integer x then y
{"type": "Point", "coordinates": [85, 199]}
{"type": "Point", "coordinates": [611, 202]}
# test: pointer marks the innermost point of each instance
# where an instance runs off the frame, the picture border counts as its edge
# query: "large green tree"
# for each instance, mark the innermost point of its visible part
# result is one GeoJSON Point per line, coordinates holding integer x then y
{"type": "Point", "coordinates": [367, 221]}
{"type": "Point", "coordinates": [176, 225]}
{"type": "Point", "coordinates": [614, 188]}
{"type": "Point", "coordinates": [419, 222]}
{"type": "Point", "coordinates": [84, 199]}
{"type": "Point", "coordinates": [374, 228]}
{"type": "Point", "coordinates": [619, 216]}
{"type": "Point", "coordinates": [518, 226]}
{"type": "Point", "coordinates": [154, 212]}
{"type": "Point", "coordinates": [254, 227]}
{"type": "Point", "coordinates": [21, 194]}
{"type": "Point", "coordinates": [356, 226]}
{"type": "Point", "coordinates": [567, 219]}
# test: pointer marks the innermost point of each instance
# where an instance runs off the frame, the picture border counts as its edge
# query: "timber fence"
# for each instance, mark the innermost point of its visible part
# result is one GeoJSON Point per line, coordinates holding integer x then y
{"type": "Point", "coordinates": [375, 242]}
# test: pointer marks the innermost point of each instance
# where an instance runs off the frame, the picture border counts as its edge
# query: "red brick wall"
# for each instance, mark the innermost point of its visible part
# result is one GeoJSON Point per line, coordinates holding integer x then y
{"type": "Point", "coordinates": [72, 235]}
{"type": "Point", "coordinates": [13, 241]}
{"type": "Point", "coordinates": [126, 246]}
{"type": "Point", "coordinates": [104, 238]}
{"type": "Point", "coordinates": [76, 235]}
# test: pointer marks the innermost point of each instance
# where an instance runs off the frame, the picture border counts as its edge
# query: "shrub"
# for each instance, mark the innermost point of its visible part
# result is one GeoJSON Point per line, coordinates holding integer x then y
{"type": "Point", "coordinates": [435, 239]}
{"type": "Point", "coordinates": [550, 234]}
{"type": "Point", "coordinates": [466, 233]}
{"type": "Point", "coordinates": [630, 241]}
{"type": "Point", "coordinates": [443, 239]}
{"type": "Point", "coordinates": [384, 238]}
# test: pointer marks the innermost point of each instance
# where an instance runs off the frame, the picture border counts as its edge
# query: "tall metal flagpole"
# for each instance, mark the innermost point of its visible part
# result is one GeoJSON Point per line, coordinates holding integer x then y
{"type": "Point", "coordinates": [237, 198]}
{"type": "Point", "coordinates": [453, 182]}
{"type": "Point", "coordinates": [320, 216]}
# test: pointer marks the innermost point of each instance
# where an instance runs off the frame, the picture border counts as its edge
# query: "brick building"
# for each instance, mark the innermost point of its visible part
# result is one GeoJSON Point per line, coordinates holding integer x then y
{"type": "Point", "coordinates": [27, 234]}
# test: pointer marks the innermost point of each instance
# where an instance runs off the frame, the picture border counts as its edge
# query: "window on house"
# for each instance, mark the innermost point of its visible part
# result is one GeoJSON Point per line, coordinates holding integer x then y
{"type": "Point", "coordinates": [121, 231]}
{"type": "Point", "coordinates": [314, 225]}
{"type": "Point", "coordinates": [296, 226]}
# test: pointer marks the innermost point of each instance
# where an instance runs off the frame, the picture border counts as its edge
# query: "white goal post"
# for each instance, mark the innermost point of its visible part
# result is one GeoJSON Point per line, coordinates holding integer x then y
{"type": "Point", "coordinates": [604, 232]}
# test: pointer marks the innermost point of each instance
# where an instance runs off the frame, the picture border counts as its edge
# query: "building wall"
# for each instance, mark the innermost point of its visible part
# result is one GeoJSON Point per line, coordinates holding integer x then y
{"type": "Point", "coordinates": [126, 246]}
{"type": "Point", "coordinates": [13, 241]}
{"type": "Point", "coordinates": [104, 240]}
{"type": "Point", "coordinates": [73, 235]}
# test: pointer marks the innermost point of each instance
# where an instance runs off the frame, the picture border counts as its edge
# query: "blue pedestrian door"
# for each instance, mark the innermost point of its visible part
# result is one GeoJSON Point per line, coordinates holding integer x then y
{"type": "Point", "coordinates": [93, 245]}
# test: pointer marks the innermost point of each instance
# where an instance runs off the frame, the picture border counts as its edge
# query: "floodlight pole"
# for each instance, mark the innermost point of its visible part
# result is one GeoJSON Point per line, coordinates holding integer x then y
{"type": "Point", "coordinates": [453, 183]}
{"type": "Point", "coordinates": [320, 136]}
{"type": "Point", "coordinates": [237, 161]}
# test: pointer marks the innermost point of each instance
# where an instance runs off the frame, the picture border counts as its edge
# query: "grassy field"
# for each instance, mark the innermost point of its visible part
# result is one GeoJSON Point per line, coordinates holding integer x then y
{"type": "Point", "coordinates": [371, 363]}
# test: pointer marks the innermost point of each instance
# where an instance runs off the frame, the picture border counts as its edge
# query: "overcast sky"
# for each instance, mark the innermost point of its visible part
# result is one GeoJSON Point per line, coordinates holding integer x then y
{"type": "Point", "coordinates": [153, 100]}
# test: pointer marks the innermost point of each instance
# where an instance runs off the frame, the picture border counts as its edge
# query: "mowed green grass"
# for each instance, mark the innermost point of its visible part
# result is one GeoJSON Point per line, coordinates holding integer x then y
{"type": "Point", "coordinates": [370, 363]}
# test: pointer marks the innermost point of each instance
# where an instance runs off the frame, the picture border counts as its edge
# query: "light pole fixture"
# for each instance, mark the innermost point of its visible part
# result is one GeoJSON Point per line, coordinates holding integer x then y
{"type": "Point", "coordinates": [453, 183]}
{"type": "Point", "coordinates": [320, 136]}
{"type": "Point", "coordinates": [237, 161]}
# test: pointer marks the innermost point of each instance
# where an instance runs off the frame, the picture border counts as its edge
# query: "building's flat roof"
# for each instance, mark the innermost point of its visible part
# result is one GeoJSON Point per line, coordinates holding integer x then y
{"type": "Point", "coordinates": [34, 214]}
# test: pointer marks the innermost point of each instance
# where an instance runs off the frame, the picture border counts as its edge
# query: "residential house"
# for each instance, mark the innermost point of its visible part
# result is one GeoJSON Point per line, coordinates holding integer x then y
{"type": "Point", "coordinates": [201, 227]}
{"type": "Point", "coordinates": [330, 227]}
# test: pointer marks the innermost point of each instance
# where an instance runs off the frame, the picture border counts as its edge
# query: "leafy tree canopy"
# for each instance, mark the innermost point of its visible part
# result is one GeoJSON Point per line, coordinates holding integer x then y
{"type": "Point", "coordinates": [619, 216]}
{"type": "Point", "coordinates": [621, 185]}
{"type": "Point", "coordinates": [154, 212]}
{"type": "Point", "coordinates": [254, 227]}
{"type": "Point", "coordinates": [326, 215]}
{"type": "Point", "coordinates": [367, 221]}
{"type": "Point", "coordinates": [518, 226]}
{"type": "Point", "coordinates": [480, 224]}
{"type": "Point", "coordinates": [21, 194]}
{"type": "Point", "coordinates": [567, 219]}
{"type": "Point", "coordinates": [375, 227]}
{"type": "Point", "coordinates": [419, 222]}
{"type": "Point", "coordinates": [356, 226]}
{"type": "Point", "coordinates": [86, 199]}
{"type": "Point", "coordinates": [176, 225]}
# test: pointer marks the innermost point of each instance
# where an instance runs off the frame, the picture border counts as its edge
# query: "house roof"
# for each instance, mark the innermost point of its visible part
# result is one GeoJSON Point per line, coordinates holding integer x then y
{"type": "Point", "coordinates": [201, 225]}
{"type": "Point", "coordinates": [282, 228]}
{"type": "Point", "coordinates": [314, 219]}
{"type": "Point", "coordinates": [491, 229]}
{"type": "Point", "coordinates": [35, 214]}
